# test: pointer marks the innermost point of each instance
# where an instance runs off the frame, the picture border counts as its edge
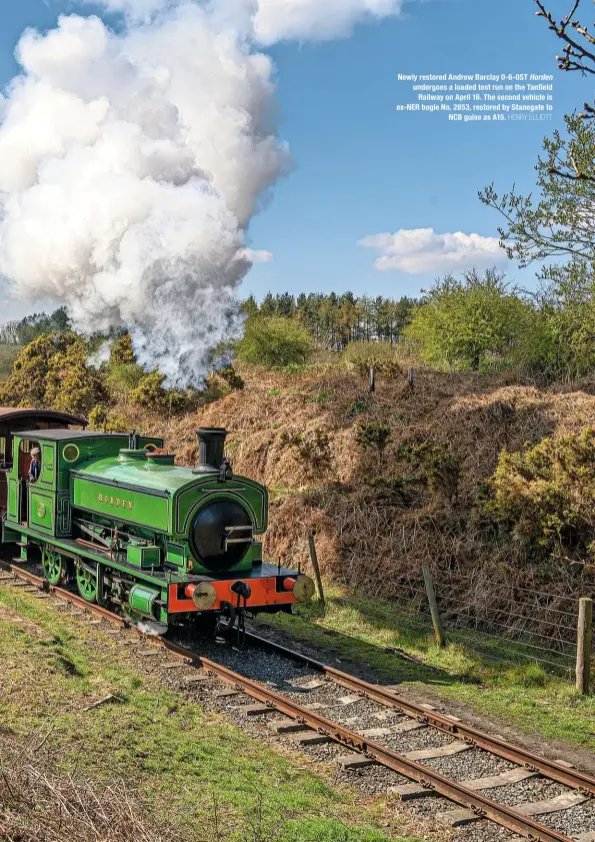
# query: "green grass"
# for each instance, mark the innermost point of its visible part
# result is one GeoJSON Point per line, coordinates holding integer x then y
{"type": "Point", "coordinates": [522, 693]}
{"type": "Point", "coordinates": [183, 759]}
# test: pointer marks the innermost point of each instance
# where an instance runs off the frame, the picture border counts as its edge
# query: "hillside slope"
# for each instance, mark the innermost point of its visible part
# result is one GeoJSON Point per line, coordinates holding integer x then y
{"type": "Point", "coordinates": [377, 518]}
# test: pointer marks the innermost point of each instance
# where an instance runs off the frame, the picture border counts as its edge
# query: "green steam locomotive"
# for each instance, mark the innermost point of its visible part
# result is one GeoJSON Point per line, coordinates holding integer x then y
{"type": "Point", "coordinates": [115, 516]}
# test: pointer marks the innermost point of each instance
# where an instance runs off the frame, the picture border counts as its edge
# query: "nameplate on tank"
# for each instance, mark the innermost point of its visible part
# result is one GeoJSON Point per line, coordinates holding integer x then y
{"type": "Point", "coordinates": [110, 500]}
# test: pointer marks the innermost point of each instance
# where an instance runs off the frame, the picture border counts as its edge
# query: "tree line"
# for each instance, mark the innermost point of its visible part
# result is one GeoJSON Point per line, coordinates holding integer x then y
{"type": "Point", "coordinates": [23, 331]}
{"type": "Point", "coordinates": [336, 320]}
{"type": "Point", "coordinates": [476, 322]}
{"type": "Point", "coordinates": [333, 320]}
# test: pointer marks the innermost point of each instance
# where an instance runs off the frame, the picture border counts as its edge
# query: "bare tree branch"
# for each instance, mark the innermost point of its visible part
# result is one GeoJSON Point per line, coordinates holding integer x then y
{"type": "Point", "coordinates": [576, 55]}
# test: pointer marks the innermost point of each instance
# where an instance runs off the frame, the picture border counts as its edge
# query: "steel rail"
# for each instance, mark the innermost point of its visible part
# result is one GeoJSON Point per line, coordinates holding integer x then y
{"type": "Point", "coordinates": [480, 805]}
{"type": "Point", "coordinates": [572, 778]}
{"type": "Point", "coordinates": [67, 595]}
{"type": "Point", "coordinates": [476, 802]}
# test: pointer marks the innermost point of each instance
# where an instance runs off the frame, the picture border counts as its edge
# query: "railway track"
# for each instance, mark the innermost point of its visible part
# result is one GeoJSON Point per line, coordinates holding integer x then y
{"type": "Point", "coordinates": [326, 718]}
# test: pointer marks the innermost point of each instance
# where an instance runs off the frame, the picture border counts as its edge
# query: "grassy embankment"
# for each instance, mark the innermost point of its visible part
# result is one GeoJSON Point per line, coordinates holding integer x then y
{"type": "Point", "coordinates": [360, 629]}
{"type": "Point", "coordinates": [181, 760]}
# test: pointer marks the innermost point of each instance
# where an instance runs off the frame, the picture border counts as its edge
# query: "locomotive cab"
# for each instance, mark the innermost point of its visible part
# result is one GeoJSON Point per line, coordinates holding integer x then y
{"type": "Point", "coordinates": [16, 419]}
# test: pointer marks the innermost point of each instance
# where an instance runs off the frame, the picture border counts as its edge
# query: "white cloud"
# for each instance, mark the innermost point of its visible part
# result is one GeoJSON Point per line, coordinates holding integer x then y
{"type": "Point", "coordinates": [138, 9]}
{"type": "Point", "coordinates": [256, 255]}
{"type": "Point", "coordinates": [317, 20]}
{"type": "Point", "coordinates": [270, 21]}
{"type": "Point", "coordinates": [421, 250]}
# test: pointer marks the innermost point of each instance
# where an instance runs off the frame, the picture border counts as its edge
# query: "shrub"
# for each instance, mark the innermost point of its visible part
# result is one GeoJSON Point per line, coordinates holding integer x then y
{"type": "Point", "coordinates": [52, 372]}
{"type": "Point", "coordinates": [391, 490]}
{"type": "Point", "coordinates": [152, 395]}
{"type": "Point", "coordinates": [545, 495]}
{"type": "Point", "coordinates": [439, 467]}
{"type": "Point", "coordinates": [117, 424]}
{"type": "Point", "coordinates": [359, 406]}
{"type": "Point", "coordinates": [381, 355]}
{"type": "Point", "coordinates": [230, 376]}
{"type": "Point", "coordinates": [122, 378]}
{"type": "Point", "coordinates": [150, 392]}
{"type": "Point", "coordinates": [8, 354]}
{"type": "Point", "coordinates": [475, 323]}
{"type": "Point", "coordinates": [434, 466]}
{"type": "Point", "coordinates": [98, 418]}
{"type": "Point", "coordinates": [314, 447]}
{"type": "Point", "coordinates": [222, 355]}
{"type": "Point", "coordinates": [569, 313]}
{"type": "Point", "coordinates": [224, 381]}
{"type": "Point", "coordinates": [371, 434]}
{"type": "Point", "coordinates": [122, 352]}
{"type": "Point", "coordinates": [26, 385]}
{"type": "Point", "coordinates": [275, 342]}
{"type": "Point", "coordinates": [101, 420]}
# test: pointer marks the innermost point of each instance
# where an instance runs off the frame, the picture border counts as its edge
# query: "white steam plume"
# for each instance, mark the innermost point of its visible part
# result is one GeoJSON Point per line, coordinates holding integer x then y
{"type": "Point", "coordinates": [130, 167]}
{"type": "Point", "coordinates": [131, 164]}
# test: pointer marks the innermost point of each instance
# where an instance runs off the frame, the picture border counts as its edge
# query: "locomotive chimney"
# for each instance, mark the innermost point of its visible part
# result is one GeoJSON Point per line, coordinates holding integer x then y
{"type": "Point", "coordinates": [211, 444]}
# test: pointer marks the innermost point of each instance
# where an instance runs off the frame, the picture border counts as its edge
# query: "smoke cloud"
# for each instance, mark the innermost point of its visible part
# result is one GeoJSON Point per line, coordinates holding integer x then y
{"type": "Point", "coordinates": [132, 162]}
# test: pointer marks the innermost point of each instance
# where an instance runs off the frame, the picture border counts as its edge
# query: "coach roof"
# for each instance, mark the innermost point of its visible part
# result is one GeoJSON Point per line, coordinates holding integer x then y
{"type": "Point", "coordinates": [13, 413]}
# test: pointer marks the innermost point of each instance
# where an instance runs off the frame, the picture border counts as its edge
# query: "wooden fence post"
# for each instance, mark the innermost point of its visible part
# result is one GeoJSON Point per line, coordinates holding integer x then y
{"type": "Point", "coordinates": [372, 379]}
{"type": "Point", "coordinates": [438, 630]}
{"type": "Point", "coordinates": [314, 559]}
{"type": "Point", "coordinates": [411, 379]}
{"type": "Point", "coordinates": [584, 644]}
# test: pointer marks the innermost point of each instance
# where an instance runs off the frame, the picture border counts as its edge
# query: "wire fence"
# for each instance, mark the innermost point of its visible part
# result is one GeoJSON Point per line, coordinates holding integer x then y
{"type": "Point", "coordinates": [502, 620]}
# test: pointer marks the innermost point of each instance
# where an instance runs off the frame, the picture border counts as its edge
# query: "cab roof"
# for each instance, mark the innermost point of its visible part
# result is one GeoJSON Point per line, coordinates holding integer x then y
{"type": "Point", "coordinates": [64, 435]}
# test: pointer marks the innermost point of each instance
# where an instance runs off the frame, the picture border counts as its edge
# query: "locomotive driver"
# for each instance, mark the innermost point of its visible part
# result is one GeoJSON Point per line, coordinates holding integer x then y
{"type": "Point", "coordinates": [35, 466]}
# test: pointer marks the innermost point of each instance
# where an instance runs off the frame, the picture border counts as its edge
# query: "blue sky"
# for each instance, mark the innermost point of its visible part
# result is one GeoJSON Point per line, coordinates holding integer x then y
{"type": "Point", "coordinates": [361, 168]}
